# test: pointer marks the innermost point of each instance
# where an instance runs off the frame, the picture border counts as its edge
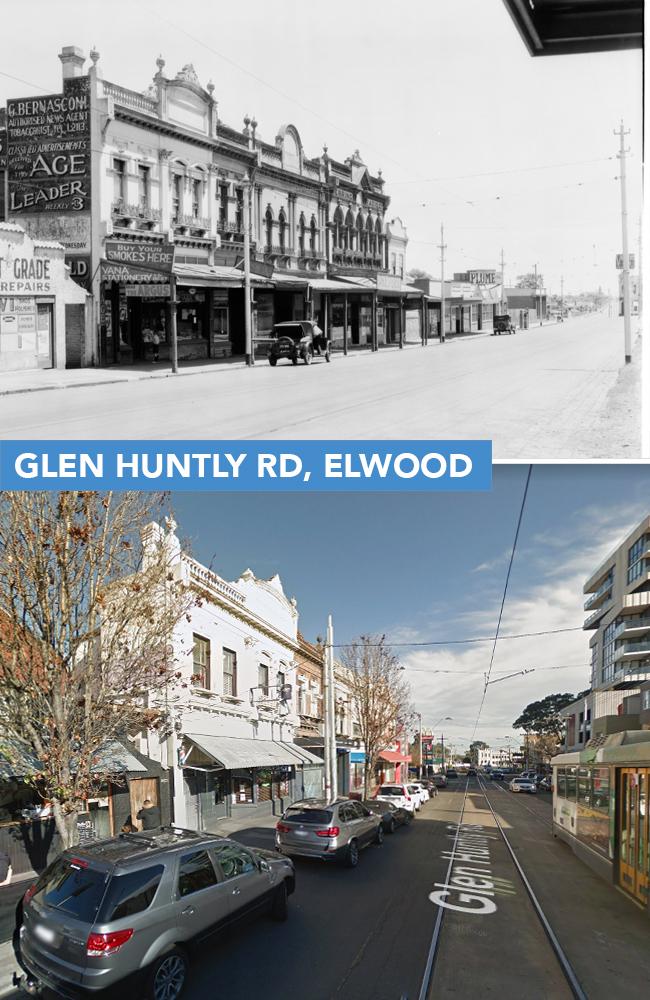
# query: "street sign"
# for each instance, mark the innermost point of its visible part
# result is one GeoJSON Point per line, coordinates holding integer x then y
{"type": "Point", "coordinates": [619, 261]}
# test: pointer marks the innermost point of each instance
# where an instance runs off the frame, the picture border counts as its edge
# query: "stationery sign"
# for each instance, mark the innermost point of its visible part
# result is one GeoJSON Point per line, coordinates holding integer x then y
{"type": "Point", "coordinates": [48, 151]}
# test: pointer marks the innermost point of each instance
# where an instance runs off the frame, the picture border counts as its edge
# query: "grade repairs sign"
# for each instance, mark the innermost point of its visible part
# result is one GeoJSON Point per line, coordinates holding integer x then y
{"type": "Point", "coordinates": [237, 466]}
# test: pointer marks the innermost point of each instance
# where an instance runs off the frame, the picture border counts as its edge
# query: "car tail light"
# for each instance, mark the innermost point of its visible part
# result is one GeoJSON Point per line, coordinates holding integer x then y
{"type": "Point", "coordinates": [332, 831]}
{"type": "Point", "coordinates": [28, 895]}
{"type": "Point", "coordinates": [107, 944]}
{"type": "Point", "coordinates": [282, 827]}
{"type": "Point", "coordinates": [408, 798]}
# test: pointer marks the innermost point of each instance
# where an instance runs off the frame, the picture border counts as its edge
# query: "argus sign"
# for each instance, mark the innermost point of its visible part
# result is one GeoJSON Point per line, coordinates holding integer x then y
{"type": "Point", "coordinates": [48, 151]}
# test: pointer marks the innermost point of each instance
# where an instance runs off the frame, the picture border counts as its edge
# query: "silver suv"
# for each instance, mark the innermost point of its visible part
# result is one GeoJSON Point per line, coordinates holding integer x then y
{"type": "Point", "coordinates": [129, 908]}
{"type": "Point", "coordinates": [336, 831]}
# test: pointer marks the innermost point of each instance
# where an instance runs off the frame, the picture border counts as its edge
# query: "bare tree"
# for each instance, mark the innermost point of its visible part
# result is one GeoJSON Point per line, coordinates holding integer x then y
{"type": "Point", "coordinates": [88, 604]}
{"type": "Point", "coordinates": [381, 697]}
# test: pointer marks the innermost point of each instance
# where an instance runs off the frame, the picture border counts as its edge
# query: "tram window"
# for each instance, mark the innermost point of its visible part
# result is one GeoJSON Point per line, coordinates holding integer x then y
{"type": "Point", "coordinates": [571, 784]}
{"type": "Point", "coordinates": [560, 783]}
{"type": "Point", "coordinates": [584, 787]}
{"type": "Point", "coordinates": [600, 786]}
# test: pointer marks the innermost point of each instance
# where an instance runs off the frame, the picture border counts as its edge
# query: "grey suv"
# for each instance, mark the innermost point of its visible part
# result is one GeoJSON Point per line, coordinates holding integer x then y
{"type": "Point", "coordinates": [336, 831]}
{"type": "Point", "coordinates": [129, 908]}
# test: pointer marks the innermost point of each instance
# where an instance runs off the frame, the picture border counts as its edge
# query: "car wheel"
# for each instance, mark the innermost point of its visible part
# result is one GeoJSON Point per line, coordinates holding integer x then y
{"type": "Point", "coordinates": [308, 356]}
{"type": "Point", "coordinates": [391, 826]}
{"type": "Point", "coordinates": [294, 359]}
{"type": "Point", "coordinates": [352, 855]}
{"type": "Point", "coordinates": [168, 976]}
{"type": "Point", "coordinates": [279, 906]}
{"type": "Point", "coordinates": [273, 362]}
{"type": "Point", "coordinates": [379, 836]}
{"type": "Point", "coordinates": [328, 356]}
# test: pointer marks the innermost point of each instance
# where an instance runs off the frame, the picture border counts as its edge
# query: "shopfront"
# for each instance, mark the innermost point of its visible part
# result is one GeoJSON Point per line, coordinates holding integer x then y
{"type": "Point", "coordinates": [35, 289]}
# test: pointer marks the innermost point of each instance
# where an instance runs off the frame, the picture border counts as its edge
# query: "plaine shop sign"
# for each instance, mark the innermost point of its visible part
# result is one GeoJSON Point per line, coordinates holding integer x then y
{"type": "Point", "coordinates": [151, 256]}
{"type": "Point", "coordinates": [20, 275]}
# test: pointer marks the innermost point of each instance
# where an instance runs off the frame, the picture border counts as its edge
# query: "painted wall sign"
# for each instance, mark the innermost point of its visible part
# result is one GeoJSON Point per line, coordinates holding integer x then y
{"type": "Point", "coordinates": [73, 231]}
{"type": "Point", "coordinates": [124, 273]}
{"type": "Point", "coordinates": [3, 148]}
{"type": "Point", "coordinates": [151, 256]}
{"type": "Point", "coordinates": [22, 275]}
{"type": "Point", "coordinates": [48, 151]}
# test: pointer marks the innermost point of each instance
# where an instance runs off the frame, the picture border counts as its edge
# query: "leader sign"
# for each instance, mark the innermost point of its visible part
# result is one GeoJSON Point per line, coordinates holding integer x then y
{"type": "Point", "coordinates": [48, 151]}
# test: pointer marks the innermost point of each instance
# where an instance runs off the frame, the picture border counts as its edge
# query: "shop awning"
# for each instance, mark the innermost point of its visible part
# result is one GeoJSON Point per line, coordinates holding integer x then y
{"type": "Point", "coordinates": [17, 760]}
{"type": "Point", "coordinates": [114, 758]}
{"type": "Point", "coordinates": [73, 293]}
{"type": "Point", "coordinates": [232, 752]}
{"type": "Point", "coordinates": [393, 757]}
{"type": "Point", "coordinates": [215, 276]}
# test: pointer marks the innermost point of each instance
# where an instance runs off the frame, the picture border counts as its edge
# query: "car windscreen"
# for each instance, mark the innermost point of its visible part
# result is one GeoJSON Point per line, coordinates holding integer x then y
{"type": "Point", "coordinates": [73, 886]}
{"type": "Point", "coordinates": [316, 816]}
{"type": "Point", "coordinates": [391, 790]}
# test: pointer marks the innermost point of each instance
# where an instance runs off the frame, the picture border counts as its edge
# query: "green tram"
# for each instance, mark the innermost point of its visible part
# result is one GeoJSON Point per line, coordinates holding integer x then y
{"type": "Point", "coordinates": [601, 808]}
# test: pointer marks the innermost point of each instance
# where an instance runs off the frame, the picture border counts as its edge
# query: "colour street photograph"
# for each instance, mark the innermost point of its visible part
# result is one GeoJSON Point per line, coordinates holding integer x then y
{"type": "Point", "coordinates": [366, 222]}
{"type": "Point", "coordinates": [414, 769]}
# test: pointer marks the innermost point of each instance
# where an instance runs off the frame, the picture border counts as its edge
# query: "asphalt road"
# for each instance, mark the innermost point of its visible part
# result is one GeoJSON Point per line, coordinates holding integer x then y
{"type": "Point", "coordinates": [554, 391]}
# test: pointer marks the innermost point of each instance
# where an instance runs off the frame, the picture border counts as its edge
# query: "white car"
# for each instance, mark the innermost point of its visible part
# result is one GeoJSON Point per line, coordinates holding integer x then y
{"type": "Point", "coordinates": [523, 785]}
{"type": "Point", "coordinates": [419, 794]}
{"type": "Point", "coordinates": [420, 789]}
{"type": "Point", "coordinates": [399, 795]}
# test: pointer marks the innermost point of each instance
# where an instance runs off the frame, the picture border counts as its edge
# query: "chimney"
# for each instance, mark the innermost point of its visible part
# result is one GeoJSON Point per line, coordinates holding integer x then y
{"type": "Point", "coordinates": [72, 60]}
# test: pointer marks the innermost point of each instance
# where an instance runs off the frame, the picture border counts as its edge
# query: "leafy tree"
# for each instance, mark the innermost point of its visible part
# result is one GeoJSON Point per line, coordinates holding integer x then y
{"type": "Point", "coordinates": [530, 281]}
{"type": "Point", "coordinates": [380, 695]}
{"type": "Point", "coordinates": [543, 717]}
{"type": "Point", "coordinates": [417, 272]}
{"type": "Point", "coordinates": [474, 749]}
{"type": "Point", "coordinates": [87, 608]}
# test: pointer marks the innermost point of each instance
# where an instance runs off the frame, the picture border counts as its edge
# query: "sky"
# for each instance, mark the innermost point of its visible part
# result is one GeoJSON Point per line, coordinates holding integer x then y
{"type": "Point", "coordinates": [509, 152]}
{"type": "Point", "coordinates": [421, 568]}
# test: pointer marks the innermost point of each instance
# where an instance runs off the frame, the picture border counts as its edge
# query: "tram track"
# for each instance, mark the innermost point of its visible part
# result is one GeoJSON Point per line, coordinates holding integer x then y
{"type": "Point", "coordinates": [435, 953]}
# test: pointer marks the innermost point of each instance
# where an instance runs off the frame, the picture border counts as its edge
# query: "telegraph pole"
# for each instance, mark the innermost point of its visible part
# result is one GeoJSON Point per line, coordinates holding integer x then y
{"type": "Point", "coordinates": [621, 133]}
{"type": "Point", "coordinates": [250, 357]}
{"type": "Point", "coordinates": [326, 720]}
{"type": "Point", "coordinates": [330, 717]}
{"type": "Point", "coordinates": [442, 246]}
{"type": "Point", "coordinates": [503, 282]}
{"type": "Point", "coordinates": [562, 296]}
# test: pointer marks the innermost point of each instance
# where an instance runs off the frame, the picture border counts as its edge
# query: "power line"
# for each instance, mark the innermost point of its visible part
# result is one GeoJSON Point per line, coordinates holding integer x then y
{"type": "Point", "coordinates": [513, 170]}
{"type": "Point", "coordinates": [503, 599]}
{"type": "Point", "coordinates": [460, 642]}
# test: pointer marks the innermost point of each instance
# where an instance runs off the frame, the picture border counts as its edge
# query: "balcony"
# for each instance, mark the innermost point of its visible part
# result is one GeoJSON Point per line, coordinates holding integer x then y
{"type": "Point", "coordinates": [232, 232]}
{"type": "Point", "coordinates": [595, 617]}
{"type": "Point", "coordinates": [632, 627]}
{"type": "Point", "coordinates": [601, 595]}
{"type": "Point", "coordinates": [637, 600]}
{"type": "Point", "coordinates": [141, 216]}
{"type": "Point", "coordinates": [211, 583]}
{"type": "Point", "coordinates": [196, 224]}
{"type": "Point", "coordinates": [277, 250]}
{"type": "Point", "coordinates": [633, 650]}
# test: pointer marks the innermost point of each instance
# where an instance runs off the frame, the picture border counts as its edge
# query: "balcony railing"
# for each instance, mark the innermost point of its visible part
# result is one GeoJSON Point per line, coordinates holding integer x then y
{"type": "Point", "coordinates": [638, 600]}
{"type": "Point", "coordinates": [211, 582]}
{"type": "Point", "coordinates": [130, 98]}
{"type": "Point", "coordinates": [640, 649]}
{"type": "Point", "coordinates": [278, 249]}
{"type": "Point", "coordinates": [230, 227]}
{"type": "Point", "coordinates": [121, 209]}
{"type": "Point", "coordinates": [595, 616]}
{"type": "Point", "coordinates": [604, 588]}
{"type": "Point", "coordinates": [632, 625]}
{"type": "Point", "coordinates": [193, 222]}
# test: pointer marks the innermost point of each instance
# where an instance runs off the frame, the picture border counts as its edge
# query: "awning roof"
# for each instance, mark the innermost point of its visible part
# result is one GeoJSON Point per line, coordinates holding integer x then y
{"type": "Point", "coordinates": [73, 293]}
{"type": "Point", "coordinates": [393, 757]}
{"type": "Point", "coordinates": [215, 276]}
{"type": "Point", "coordinates": [560, 27]}
{"type": "Point", "coordinates": [114, 758]}
{"type": "Point", "coordinates": [17, 760]}
{"type": "Point", "coordinates": [233, 751]}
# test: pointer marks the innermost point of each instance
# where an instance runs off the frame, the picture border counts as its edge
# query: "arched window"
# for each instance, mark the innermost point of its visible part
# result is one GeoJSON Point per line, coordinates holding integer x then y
{"type": "Point", "coordinates": [361, 234]}
{"type": "Point", "coordinates": [378, 249]}
{"type": "Point", "coordinates": [312, 235]}
{"type": "Point", "coordinates": [338, 228]}
{"type": "Point", "coordinates": [349, 231]}
{"type": "Point", "coordinates": [268, 223]}
{"type": "Point", "coordinates": [282, 229]}
{"type": "Point", "coordinates": [301, 233]}
{"type": "Point", "coordinates": [372, 242]}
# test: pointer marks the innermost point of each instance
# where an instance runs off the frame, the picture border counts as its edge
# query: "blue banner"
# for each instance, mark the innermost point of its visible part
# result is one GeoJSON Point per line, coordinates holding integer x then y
{"type": "Point", "coordinates": [247, 466]}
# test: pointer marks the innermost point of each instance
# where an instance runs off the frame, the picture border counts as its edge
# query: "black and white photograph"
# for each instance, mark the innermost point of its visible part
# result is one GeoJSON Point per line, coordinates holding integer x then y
{"type": "Point", "coordinates": [369, 221]}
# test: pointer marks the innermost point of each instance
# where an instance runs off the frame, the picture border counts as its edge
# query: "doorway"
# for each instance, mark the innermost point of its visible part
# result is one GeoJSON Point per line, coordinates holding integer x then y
{"type": "Point", "coordinates": [633, 832]}
{"type": "Point", "coordinates": [141, 789]}
{"type": "Point", "coordinates": [44, 334]}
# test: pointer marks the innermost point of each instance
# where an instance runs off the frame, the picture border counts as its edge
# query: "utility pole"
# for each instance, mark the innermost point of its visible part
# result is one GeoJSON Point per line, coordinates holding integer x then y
{"type": "Point", "coordinates": [420, 769]}
{"type": "Point", "coordinates": [330, 750]}
{"type": "Point", "coordinates": [326, 720]}
{"type": "Point", "coordinates": [536, 294]}
{"type": "Point", "coordinates": [503, 282]}
{"type": "Point", "coordinates": [621, 133]}
{"type": "Point", "coordinates": [442, 246]}
{"type": "Point", "coordinates": [250, 355]}
{"type": "Point", "coordinates": [442, 752]}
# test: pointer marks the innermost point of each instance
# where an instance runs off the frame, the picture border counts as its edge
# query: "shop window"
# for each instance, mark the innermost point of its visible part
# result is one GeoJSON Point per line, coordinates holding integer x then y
{"type": "Point", "coordinates": [143, 188]}
{"type": "Point", "coordinates": [281, 783]}
{"type": "Point", "coordinates": [196, 872]}
{"type": "Point", "coordinates": [243, 789]}
{"type": "Point", "coordinates": [201, 662]}
{"type": "Point", "coordinates": [229, 673]}
{"type": "Point", "coordinates": [119, 179]}
{"type": "Point", "coordinates": [263, 678]}
{"type": "Point", "coordinates": [264, 781]}
{"type": "Point", "coordinates": [191, 314]}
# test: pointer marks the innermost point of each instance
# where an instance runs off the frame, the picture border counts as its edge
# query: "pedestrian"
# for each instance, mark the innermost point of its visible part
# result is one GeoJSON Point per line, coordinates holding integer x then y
{"type": "Point", "coordinates": [5, 869]}
{"type": "Point", "coordinates": [149, 816]}
{"type": "Point", "coordinates": [155, 339]}
{"type": "Point", "coordinates": [318, 338]}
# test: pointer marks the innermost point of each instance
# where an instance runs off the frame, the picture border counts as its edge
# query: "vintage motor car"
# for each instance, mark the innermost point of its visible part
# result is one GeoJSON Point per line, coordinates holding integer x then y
{"type": "Point", "coordinates": [298, 339]}
{"type": "Point", "coordinates": [503, 324]}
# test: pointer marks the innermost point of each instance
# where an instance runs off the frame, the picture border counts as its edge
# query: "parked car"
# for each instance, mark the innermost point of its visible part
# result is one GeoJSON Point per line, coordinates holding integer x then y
{"type": "Point", "coordinates": [120, 915]}
{"type": "Point", "coordinates": [471, 772]}
{"type": "Point", "coordinates": [440, 780]}
{"type": "Point", "coordinates": [337, 831]}
{"type": "Point", "coordinates": [523, 785]}
{"type": "Point", "coordinates": [398, 794]}
{"type": "Point", "coordinates": [391, 815]}
{"type": "Point", "coordinates": [419, 794]}
{"type": "Point", "coordinates": [296, 340]}
{"type": "Point", "coordinates": [503, 324]}
{"type": "Point", "coordinates": [424, 789]}
{"type": "Point", "coordinates": [451, 774]}
{"type": "Point", "coordinates": [497, 775]}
